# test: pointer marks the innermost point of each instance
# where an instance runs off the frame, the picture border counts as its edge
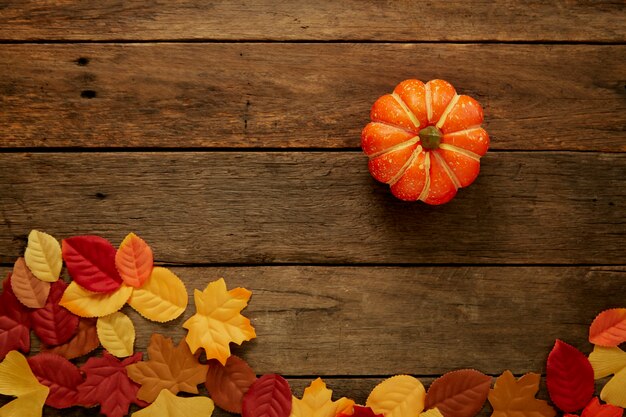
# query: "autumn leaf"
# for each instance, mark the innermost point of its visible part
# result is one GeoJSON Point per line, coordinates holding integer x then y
{"type": "Point", "coordinates": [116, 334]}
{"type": "Point", "coordinates": [29, 290]}
{"type": "Point", "coordinates": [14, 322]}
{"type": "Point", "coordinates": [218, 321]}
{"type": "Point", "coordinates": [398, 396]}
{"type": "Point", "coordinates": [360, 411]}
{"type": "Point", "coordinates": [610, 361]}
{"type": "Point", "coordinates": [60, 375]}
{"type": "Point", "coordinates": [163, 297]}
{"type": "Point", "coordinates": [43, 256]}
{"type": "Point", "coordinates": [268, 396]}
{"type": "Point", "coordinates": [172, 368]}
{"type": "Point", "coordinates": [595, 409]}
{"type": "Point", "coordinates": [227, 384]}
{"type": "Point", "coordinates": [169, 405]}
{"type": "Point", "coordinates": [107, 384]}
{"type": "Point", "coordinates": [16, 379]}
{"type": "Point", "coordinates": [134, 260]}
{"type": "Point", "coordinates": [85, 341]}
{"type": "Point", "coordinates": [511, 398]}
{"type": "Point", "coordinates": [53, 324]}
{"type": "Point", "coordinates": [459, 393]}
{"type": "Point", "coordinates": [609, 328]}
{"type": "Point", "coordinates": [317, 402]}
{"type": "Point", "coordinates": [90, 261]}
{"type": "Point", "coordinates": [87, 304]}
{"type": "Point", "coordinates": [569, 377]}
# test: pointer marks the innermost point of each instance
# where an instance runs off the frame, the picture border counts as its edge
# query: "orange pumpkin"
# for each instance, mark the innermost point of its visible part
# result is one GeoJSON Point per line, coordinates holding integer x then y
{"type": "Point", "coordinates": [425, 141]}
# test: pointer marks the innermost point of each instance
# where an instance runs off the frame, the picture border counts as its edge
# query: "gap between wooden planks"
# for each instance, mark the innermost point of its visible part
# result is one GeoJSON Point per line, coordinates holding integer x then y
{"type": "Point", "coordinates": [259, 95]}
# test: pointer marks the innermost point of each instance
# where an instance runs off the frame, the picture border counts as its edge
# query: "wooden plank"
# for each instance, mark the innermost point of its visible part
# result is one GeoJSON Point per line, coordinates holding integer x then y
{"type": "Point", "coordinates": [399, 20]}
{"type": "Point", "coordinates": [536, 97]}
{"type": "Point", "coordinates": [318, 207]}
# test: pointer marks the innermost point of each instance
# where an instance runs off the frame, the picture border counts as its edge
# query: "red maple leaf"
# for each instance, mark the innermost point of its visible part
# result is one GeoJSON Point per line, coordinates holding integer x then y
{"type": "Point", "coordinates": [60, 375]}
{"type": "Point", "coordinates": [14, 322]}
{"type": "Point", "coordinates": [108, 384]}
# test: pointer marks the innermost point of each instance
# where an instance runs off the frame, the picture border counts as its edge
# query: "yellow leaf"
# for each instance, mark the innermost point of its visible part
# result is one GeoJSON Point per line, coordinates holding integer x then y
{"type": "Point", "coordinates": [169, 405]}
{"type": "Point", "coordinates": [398, 396]}
{"type": "Point", "coordinates": [433, 412]}
{"type": "Point", "coordinates": [43, 256]}
{"type": "Point", "coordinates": [117, 334]}
{"type": "Point", "coordinates": [218, 321]}
{"type": "Point", "coordinates": [162, 298]}
{"type": "Point", "coordinates": [607, 361]}
{"type": "Point", "coordinates": [317, 402]}
{"type": "Point", "coordinates": [614, 392]}
{"type": "Point", "coordinates": [17, 379]}
{"type": "Point", "coordinates": [85, 303]}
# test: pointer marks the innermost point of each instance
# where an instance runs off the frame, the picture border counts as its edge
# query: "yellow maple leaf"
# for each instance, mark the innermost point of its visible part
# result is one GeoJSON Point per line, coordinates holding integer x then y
{"type": "Point", "coordinates": [433, 412]}
{"type": "Point", "coordinates": [218, 320]}
{"type": "Point", "coordinates": [170, 405]}
{"type": "Point", "coordinates": [607, 361]}
{"type": "Point", "coordinates": [398, 396]}
{"type": "Point", "coordinates": [516, 398]}
{"type": "Point", "coordinates": [85, 303]}
{"type": "Point", "coordinates": [17, 379]}
{"type": "Point", "coordinates": [116, 334]}
{"type": "Point", "coordinates": [317, 402]}
{"type": "Point", "coordinates": [43, 256]}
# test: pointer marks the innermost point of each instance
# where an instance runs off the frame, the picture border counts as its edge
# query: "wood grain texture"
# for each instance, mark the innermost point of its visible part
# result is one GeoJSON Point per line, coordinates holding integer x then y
{"type": "Point", "coordinates": [398, 20]}
{"type": "Point", "coordinates": [318, 207]}
{"type": "Point", "coordinates": [536, 97]}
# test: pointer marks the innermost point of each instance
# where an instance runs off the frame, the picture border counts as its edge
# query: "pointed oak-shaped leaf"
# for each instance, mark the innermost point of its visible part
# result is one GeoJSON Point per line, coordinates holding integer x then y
{"type": "Point", "coordinates": [609, 328]}
{"type": "Point", "coordinates": [85, 341]}
{"type": "Point", "coordinates": [60, 375]}
{"type": "Point", "coordinates": [360, 411]}
{"type": "Point", "coordinates": [398, 396]}
{"type": "Point", "coordinates": [14, 322]}
{"type": "Point", "coordinates": [595, 409]}
{"type": "Point", "coordinates": [516, 398]}
{"type": "Point", "coordinates": [54, 324]}
{"type": "Point", "coordinates": [317, 402]}
{"type": "Point", "coordinates": [163, 297]}
{"type": "Point", "coordinates": [90, 261]}
{"type": "Point", "coordinates": [17, 379]}
{"type": "Point", "coordinates": [85, 303]}
{"type": "Point", "coordinates": [116, 334]}
{"type": "Point", "coordinates": [227, 384]}
{"type": "Point", "coordinates": [108, 384]}
{"type": "Point", "coordinates": [173, 368]}
{"type": "Point", "coordinates": [218, 320]}
{"type": "Point", "coordinates": [169, 405]}
{"type": "Point", "coordinates": [134, 260]}
{"type": "Point", "coordinates": [569, 377]}
{"type": "Point", "coordinates": [43, 256]}
{"type": "Point", "coordinates": [29, 290]}
{"type": "Point", "coordinates": [268, 396]}
{"type": "Point", "coordinates": [459, 393]}
{"type": "Point", "coordinates": [607, 361]}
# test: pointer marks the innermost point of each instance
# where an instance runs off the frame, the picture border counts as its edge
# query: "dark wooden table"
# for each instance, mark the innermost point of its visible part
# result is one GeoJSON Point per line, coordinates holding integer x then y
{"type": "Point", "coordinates": [227, 135]}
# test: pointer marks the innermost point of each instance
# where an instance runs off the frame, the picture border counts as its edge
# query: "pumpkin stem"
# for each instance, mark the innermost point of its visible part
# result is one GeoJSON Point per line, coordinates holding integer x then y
{"type": "Point", "coordinates": [430, 137]}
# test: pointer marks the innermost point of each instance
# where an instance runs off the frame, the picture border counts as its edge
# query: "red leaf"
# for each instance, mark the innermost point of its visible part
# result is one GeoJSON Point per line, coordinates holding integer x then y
{"type": "Point", "coordinates": [108, 384]}
{"type": "Point", "coordinates": [60, 375]}
{"type": "Point", "coordinates": [459, 393]}
{"type": "Point", "coordinates": [569, 377]}
{"type": "Point", "coordinates": [54, 324]}
{"type": "Point", "coordinates": [14, 322]}
{"type": "Point", "coordinates": [595, 409]}
{"type": "Point", "coordinates": [361, 412]}
{"type": "Point", "coordinates": [269, 396]}
{"type": "Point", "coordinates": [609, 328]}
{"type": "Point", "coordinates": [90, 261]}
{"type": "Point", "coordinates": [228, 384]}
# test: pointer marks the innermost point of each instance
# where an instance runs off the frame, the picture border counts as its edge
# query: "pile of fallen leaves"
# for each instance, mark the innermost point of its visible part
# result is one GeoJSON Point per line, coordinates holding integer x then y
{"type": "Point", "coordinates": [72, 320]}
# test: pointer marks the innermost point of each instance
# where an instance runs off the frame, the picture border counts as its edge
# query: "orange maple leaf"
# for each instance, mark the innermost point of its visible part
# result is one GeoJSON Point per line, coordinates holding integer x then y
{"type": "Point", "coordinates": [517, 398]}
{"type": "Point", "coordinates": [172, 368]}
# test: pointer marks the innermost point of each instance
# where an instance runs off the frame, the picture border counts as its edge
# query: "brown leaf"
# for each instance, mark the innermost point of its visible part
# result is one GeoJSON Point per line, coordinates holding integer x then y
{"type": "Point", "coordinates": [228, 384]}
{"type": "Point", "coordinates": [29, 290]}
{"type": "Point", "coordinates": [511, 398]}
{"type": "Point", "coordinates": [459, 393]}
{"type": "Point", "coordinates": [85, 341]}
{"type": "Point", "coordinates": [169, 367]}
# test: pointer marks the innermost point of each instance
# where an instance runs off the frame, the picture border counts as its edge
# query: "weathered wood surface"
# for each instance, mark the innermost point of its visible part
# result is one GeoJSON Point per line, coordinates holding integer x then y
{"type": "Point", "coordinates": [318, 207]}
{"type": "Point", "coordinates": [536, 97]}
{"type": "Point", "coordinates": [399, 20]}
